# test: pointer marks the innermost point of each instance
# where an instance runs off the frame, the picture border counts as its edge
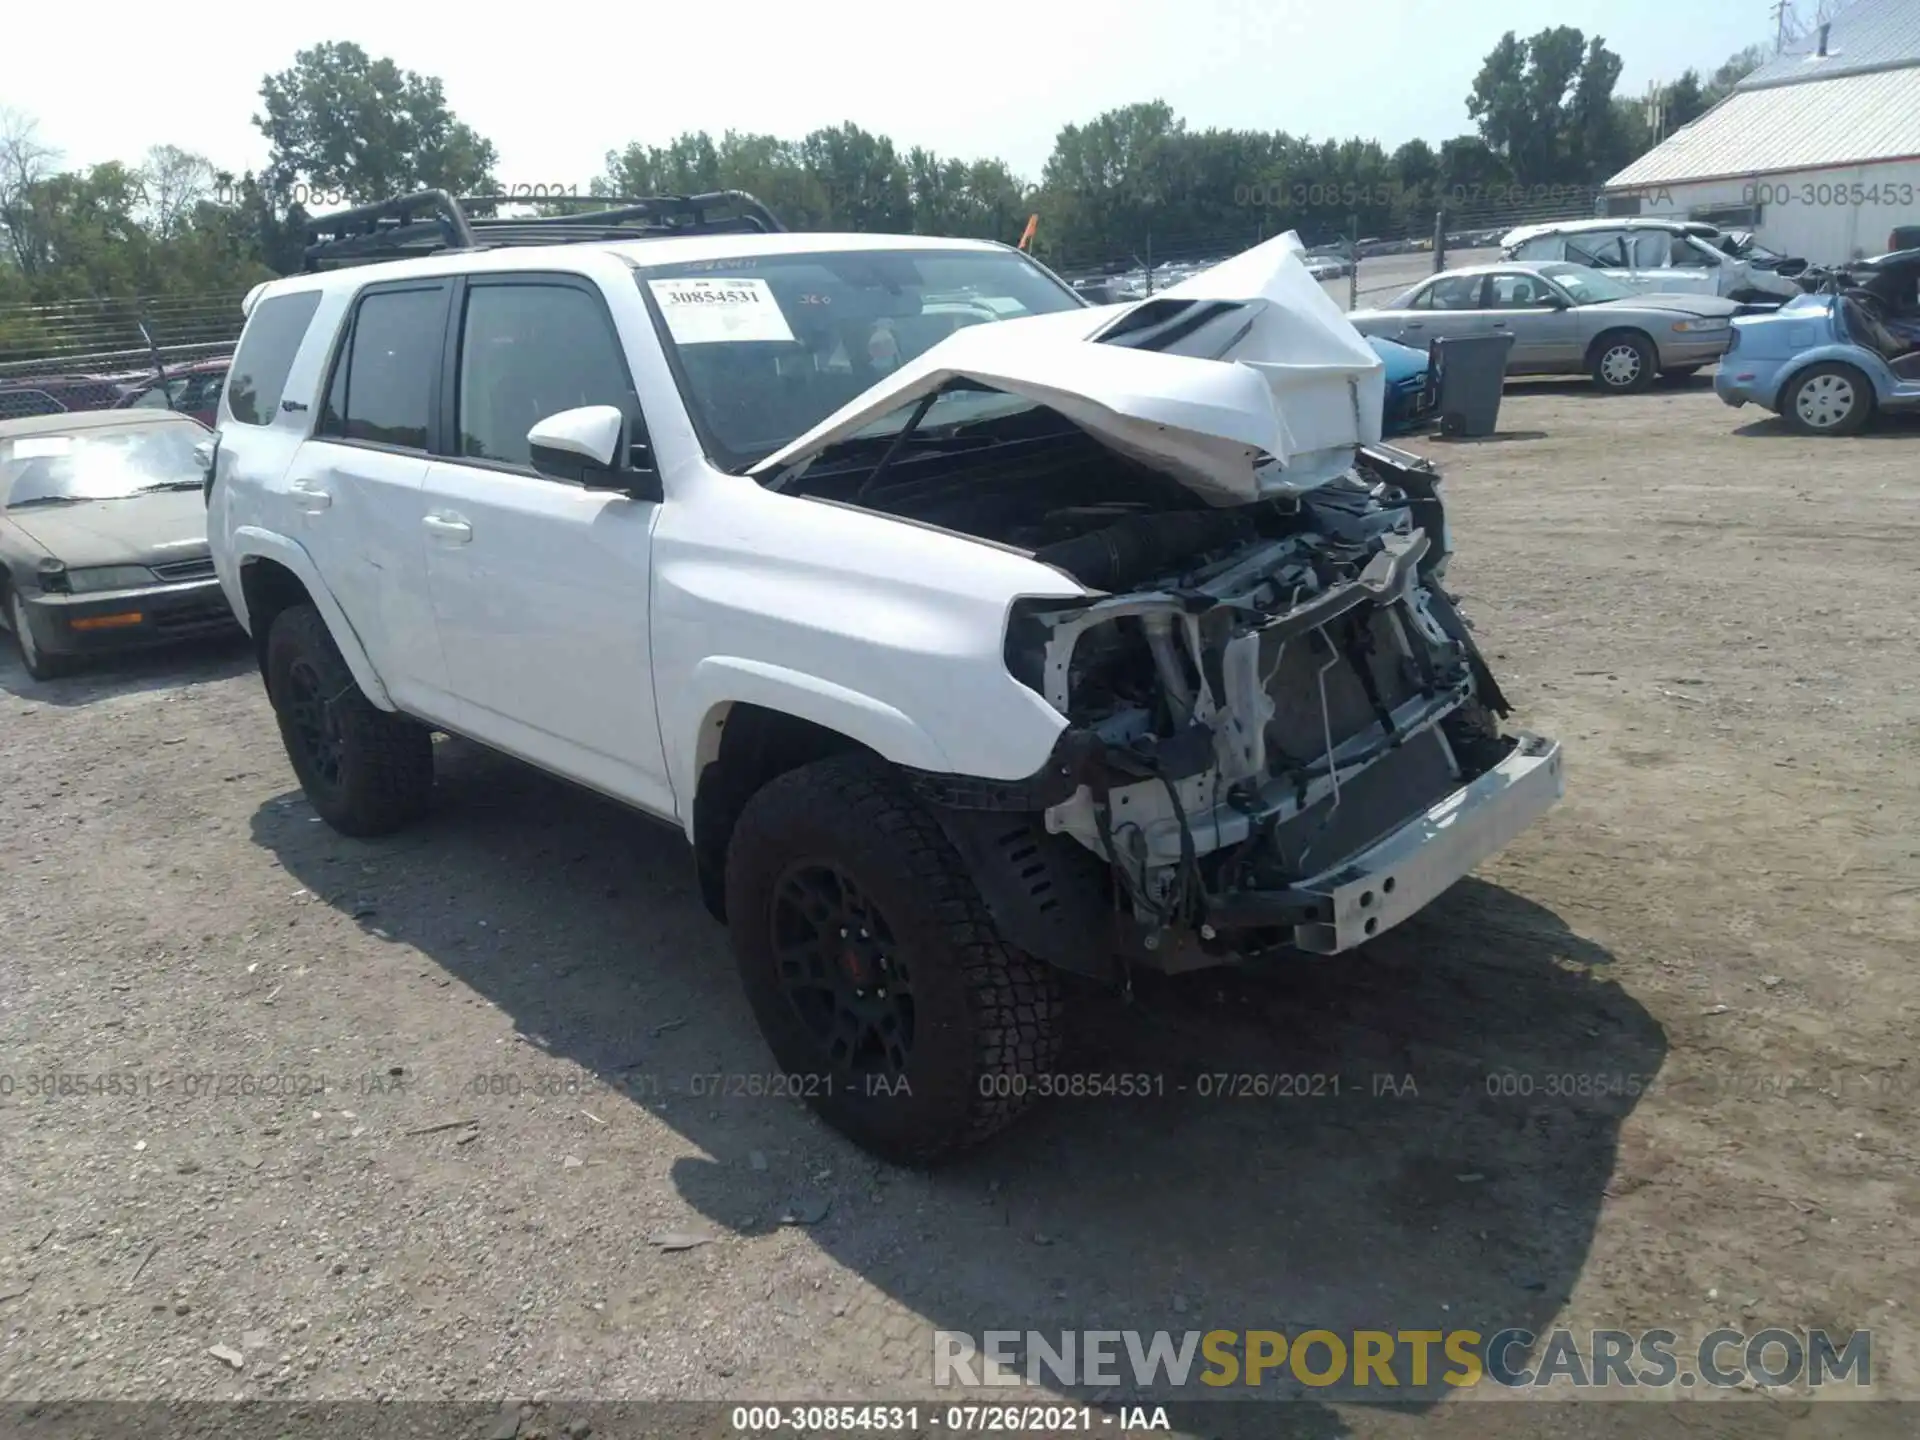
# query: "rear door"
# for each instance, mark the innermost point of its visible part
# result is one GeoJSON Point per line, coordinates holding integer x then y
{"type": "Point", "coordinates": [540, 586]}
{"type": "Point", "coordinates": [1445, 307]}
{"type": "Point", "coordinates": [353, 491]}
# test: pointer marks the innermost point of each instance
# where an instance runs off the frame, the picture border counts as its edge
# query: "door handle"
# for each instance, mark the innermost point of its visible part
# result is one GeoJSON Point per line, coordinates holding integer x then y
{"type": "Point", "coordinates": [310, 497]}
{"type": "Point", "coordinates": [450, 528]}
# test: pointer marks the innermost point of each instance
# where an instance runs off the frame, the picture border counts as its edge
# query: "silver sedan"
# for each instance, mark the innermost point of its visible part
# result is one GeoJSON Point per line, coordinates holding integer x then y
{"type": "Point", "coordinates": [1565, 319]}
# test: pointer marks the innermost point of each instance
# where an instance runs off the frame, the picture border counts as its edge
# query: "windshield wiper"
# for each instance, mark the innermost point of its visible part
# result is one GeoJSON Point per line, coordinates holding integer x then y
{"type": "Point", "coordinates": [193, 484]}
{"type": "Point", "coordinates": [46, 500]}
{"type": "Point", "coordinates": [899, 444]}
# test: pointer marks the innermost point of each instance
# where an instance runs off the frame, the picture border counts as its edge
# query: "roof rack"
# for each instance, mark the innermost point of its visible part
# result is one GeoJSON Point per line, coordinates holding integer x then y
{"type": "Point", "coordinates": [432, 220]}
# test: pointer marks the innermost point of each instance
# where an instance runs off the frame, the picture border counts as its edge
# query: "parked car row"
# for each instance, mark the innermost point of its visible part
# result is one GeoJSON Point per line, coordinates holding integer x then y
{"type": "Point", "coordinates": [1565, 319]}
{"type": "Point", "coordinates": [189, 389]}
{"type": "Point", "coordinates": [103, 538]}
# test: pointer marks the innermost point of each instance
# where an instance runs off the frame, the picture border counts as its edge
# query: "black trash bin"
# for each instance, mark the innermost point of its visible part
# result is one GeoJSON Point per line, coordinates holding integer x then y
{"type": "Point", "coordinates": [1469, 374]}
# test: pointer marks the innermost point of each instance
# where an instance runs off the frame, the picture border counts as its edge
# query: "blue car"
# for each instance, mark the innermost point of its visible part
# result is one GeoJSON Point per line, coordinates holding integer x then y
{"type": "Point", "coordinates": [1409, 397]}
{"type": "Point", "coordinates": [1826, 362]}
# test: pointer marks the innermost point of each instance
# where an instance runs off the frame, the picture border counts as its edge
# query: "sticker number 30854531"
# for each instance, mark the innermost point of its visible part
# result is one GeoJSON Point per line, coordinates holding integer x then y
{"type": "Point", "coordinates": [715, 311]}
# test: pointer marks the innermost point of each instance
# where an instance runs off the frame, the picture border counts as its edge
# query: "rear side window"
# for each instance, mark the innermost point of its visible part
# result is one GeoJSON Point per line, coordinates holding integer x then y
{"type": "Point", "coordinates": [381, 392]}
{"type": "Point", "coordinates": [1450, 292]}
{"type": "Point", "coordinates": [273, 335]}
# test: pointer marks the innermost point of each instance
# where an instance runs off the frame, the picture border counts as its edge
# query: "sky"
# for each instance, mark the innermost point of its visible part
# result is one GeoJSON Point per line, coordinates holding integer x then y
{"type": "Point", "coordinates": [558, 84]}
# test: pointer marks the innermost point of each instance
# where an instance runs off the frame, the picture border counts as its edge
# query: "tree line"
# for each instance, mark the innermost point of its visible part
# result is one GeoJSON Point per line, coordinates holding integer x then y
{"type": "Point", "coordinates": [344, 127]}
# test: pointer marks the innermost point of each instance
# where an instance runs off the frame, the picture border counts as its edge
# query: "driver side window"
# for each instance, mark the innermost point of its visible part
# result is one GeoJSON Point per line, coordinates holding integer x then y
{"type": "Point", "coordinates": [529, 351]}
{"type": "Point", "coordinates": [1601, 252]}
{"type": "Point", "coordinates": [1651, 249]}
{"type": "Point", "coordinates": [1686, 252]}
{"type": "Point", "coordinates": [1516, 291]}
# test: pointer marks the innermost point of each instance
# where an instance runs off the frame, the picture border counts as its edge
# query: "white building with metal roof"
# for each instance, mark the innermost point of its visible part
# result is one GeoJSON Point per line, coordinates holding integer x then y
{"type": "Point", "coordinates": [1817, 151]}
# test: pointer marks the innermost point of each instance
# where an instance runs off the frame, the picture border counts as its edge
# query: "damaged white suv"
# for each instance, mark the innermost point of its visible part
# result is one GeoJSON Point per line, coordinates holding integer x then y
{"type": "Point", "coordinates": [970, 633]}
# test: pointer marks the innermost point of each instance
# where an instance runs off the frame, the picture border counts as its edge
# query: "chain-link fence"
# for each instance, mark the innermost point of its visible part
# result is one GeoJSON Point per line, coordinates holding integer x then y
{"type": "Point", "coordinates": [102, 354]}
{"type": "Point", "coordinates": [1360, 263]}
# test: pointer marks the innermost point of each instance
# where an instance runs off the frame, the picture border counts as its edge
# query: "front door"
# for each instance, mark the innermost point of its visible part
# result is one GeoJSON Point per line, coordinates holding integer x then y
{"type": "Point", "coordinates": [540, 586]}
{"type": "Point", "coordinates": [1546, 338]}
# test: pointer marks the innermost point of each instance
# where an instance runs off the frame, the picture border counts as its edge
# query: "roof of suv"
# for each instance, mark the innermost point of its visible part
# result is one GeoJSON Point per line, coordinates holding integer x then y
{"type": "Point", "coordinates": [638, 253]}
{"type": "Point", "coordinates": [1523, 233]}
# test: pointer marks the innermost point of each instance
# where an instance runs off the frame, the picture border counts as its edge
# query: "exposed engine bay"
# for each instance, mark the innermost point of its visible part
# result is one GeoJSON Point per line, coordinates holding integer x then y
{"type": "Point", "coordinates": [1257, 695]}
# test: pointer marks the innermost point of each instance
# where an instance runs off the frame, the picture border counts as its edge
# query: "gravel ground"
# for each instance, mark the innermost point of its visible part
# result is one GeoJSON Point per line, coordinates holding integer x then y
{"type": "Point", "coordinates": [468, 1122]}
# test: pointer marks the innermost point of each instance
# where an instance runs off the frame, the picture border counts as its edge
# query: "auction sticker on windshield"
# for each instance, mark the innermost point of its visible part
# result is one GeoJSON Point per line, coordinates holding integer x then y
{"type": "Point", "coordinates": [36, 447]}
{"type": "Point", "coordinates": [712, 311]}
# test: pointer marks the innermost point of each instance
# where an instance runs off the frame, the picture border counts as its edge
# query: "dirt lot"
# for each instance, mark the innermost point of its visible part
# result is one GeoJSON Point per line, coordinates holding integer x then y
{"type": "Point", "coordinates": [510, 1005]}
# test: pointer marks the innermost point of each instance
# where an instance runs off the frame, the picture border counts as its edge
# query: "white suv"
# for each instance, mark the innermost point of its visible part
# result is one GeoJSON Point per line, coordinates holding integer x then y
{"type": "Point", "coordinates": [1663, 257]}
{"type": "Point", "coordinates": [970, 633]}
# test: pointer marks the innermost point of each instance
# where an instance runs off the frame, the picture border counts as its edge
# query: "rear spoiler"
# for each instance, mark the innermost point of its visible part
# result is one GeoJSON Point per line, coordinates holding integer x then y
{"type": "Point", "coordinates": [246, 305]}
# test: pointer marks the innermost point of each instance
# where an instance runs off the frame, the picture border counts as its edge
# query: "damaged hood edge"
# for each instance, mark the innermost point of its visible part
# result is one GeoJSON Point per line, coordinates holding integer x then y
{"type": "Point", "coordinates": [1283, 411]}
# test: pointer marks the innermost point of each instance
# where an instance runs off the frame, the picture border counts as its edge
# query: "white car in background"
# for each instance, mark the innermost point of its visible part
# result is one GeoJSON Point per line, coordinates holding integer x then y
{"type": "Point", "coordinates": [1666, 257]}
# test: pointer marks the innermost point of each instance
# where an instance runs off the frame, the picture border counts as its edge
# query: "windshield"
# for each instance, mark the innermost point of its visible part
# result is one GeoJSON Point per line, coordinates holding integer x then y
{"type": "Point", "coordinates": [767, 346]}
{"type": "Point", "coordinates": [1587, 287]}
{"type": "Point", "coordinates": [109, 463]}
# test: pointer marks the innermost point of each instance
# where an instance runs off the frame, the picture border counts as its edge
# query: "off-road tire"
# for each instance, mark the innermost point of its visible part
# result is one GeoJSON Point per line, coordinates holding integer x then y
{"type": "Point", "coordinates": [986, 1016]}
{"type": "Point", "coordinates": [1851, 418]}
{"type": "Point", "coordinates": [37, 662]}
{"type": "Point", "coordinates": [1601, 362]}
{"type": "Point", "coordinates": [385, 761]}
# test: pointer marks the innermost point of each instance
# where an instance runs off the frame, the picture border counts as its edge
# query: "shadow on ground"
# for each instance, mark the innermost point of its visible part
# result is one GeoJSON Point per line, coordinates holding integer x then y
{"type": "Point", "coordinates": [1413, 1163]}
{"type": "Point", "coordinates": [190, 662]}
{"type": "Point", "coordinates": [1580, 387]}
{"type": "Point", "coordinates": [1896, 425]}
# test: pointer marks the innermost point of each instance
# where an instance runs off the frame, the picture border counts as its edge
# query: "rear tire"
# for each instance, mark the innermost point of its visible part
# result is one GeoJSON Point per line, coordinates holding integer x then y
{"type": "Point", "coordinates": [365, 771]}
{"type": "Point", "coordinates": [892, 1006]}
{"type": "Point", "coordinates": [1830, 399]}
{"type": "Point", "coordinates": [1624, 362]}
{"type": "Point", "coordinates": [39, 664]}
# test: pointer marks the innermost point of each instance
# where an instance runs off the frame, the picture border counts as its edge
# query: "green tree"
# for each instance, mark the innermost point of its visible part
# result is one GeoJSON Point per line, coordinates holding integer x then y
{"type": "Point", "coordinates": [175, 181]}
{"type": "Point", "coordinates": [25, 162]}
{"type": "Point", "coordinates": [1545, 106]}
{"type": "Point", "coordinates": [1732, 71]}
{"type": "Point", "coordinates": [339, 121]}
{"type": "Point", "coordinates": [1684, 102]}
{"type": "Point", "coordinates": [865, 182]}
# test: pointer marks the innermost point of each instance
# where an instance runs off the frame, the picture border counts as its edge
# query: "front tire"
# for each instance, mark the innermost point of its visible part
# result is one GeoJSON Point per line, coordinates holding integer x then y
{"type": "Point", "coordinates": [365, 771]}
{"type": "Point", "coordinates": [892, 1006]}
{"type": "Point", "coordinates": [39, 664]}
{"type": "Point", "coordinates": [1624, 362]}
{"type": "Point", "coordinates": [1829, 399]}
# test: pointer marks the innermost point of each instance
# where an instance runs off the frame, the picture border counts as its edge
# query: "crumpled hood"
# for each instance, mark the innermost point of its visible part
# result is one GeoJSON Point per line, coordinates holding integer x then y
{"type": "Point", "coordinates": [139, 530]}
{"type": "Point", "coordinates": [1281, 410]}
